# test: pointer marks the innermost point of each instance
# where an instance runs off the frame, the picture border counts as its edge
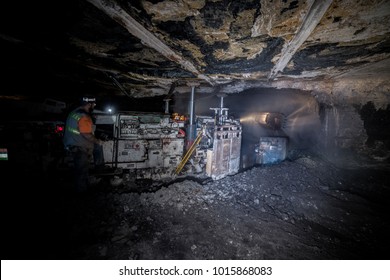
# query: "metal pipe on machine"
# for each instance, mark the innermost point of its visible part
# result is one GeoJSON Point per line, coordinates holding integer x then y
{"type": "Point", "coordinates": [192, 105]}
{"type": "Point", "coordinates": [191, 129]}
{"type": "Point", "coordinates": [166, 100]}
{"type": "Point", "coordinates": [221, 111]}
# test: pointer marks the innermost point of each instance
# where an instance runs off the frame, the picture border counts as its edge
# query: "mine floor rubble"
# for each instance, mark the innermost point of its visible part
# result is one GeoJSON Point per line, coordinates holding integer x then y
{"type": "Point", "coordinates": [305, 208]}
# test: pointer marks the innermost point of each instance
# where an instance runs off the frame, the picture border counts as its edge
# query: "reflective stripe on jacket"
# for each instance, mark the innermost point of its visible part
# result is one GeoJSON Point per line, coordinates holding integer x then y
{"type": "Point", "coordinates": [77, 123]}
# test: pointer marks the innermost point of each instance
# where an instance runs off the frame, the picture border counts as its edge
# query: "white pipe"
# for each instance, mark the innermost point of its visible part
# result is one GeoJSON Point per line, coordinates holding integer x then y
{"type": "Point", "coordinates": [192, 105]}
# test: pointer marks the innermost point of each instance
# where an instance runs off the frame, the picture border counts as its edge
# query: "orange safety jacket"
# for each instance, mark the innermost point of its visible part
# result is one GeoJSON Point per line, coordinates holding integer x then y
{"type": "Point", "coordinates": [78, 125]}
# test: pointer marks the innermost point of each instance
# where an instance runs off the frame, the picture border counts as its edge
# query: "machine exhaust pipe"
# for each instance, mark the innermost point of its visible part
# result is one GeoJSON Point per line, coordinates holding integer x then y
{"type": "Point", "coordinates": [166, 105]}
{"type": "Point", "coordinates": [191, 129]}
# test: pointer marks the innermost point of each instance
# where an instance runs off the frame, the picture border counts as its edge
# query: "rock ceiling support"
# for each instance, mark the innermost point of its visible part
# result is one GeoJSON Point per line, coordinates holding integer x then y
{"type": "Point", "coordinates": [312, 18]}
{"type": "Point", "coordinates": [113, 10]}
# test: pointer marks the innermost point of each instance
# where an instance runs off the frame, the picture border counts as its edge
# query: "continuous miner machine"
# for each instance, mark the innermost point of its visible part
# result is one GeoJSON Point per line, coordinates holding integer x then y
{"type": "Point", "coordinates": [164, 146]}
{"type": "Point", "coordinates": [160, 146]}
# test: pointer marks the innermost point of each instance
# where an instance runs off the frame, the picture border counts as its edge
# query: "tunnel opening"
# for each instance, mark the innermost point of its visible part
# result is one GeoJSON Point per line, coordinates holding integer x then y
{"type": "Point", "coordinates": [271, 114]}
{"type": "Point", "coordinates": [267, 114]}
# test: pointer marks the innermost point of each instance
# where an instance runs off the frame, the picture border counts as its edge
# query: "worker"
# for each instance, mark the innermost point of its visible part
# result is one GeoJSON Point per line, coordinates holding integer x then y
{"type": "Point", "coordinates": [80, 141]}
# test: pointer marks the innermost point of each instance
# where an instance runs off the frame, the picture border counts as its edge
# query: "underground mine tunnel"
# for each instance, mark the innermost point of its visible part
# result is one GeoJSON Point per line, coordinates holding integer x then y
{"type": "Point", "coordinates": [312, 174]}
{"type": "Point", "coordinates": [230, 129]}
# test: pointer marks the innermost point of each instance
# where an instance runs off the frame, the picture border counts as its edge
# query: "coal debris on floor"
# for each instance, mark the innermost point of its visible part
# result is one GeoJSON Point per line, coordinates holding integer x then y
{"type": "Point", "coordinates": [302, 209]}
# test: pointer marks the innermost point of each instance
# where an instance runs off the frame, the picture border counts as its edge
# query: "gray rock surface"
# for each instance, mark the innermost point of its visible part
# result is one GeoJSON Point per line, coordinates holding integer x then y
{"type": "Point", "coordinates": [302, 209]}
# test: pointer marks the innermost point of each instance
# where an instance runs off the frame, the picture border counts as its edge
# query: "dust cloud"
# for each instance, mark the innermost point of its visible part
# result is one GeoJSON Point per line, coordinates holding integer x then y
{"type": "Point", "coordinates": [301, 111]}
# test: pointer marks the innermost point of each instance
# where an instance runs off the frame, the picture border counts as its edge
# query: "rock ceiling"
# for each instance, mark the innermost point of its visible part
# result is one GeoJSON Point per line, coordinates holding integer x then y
{"type": "Point", "coordinates": [157, 47]}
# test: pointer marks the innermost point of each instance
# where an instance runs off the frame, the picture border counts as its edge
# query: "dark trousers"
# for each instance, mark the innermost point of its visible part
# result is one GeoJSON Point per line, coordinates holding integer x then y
{"type": "Point", "coordinates": [82, 158]}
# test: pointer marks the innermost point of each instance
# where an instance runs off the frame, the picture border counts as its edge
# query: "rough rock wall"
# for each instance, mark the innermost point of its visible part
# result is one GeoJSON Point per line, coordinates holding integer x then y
{"type": "Point", "coordinates": [352, 91]}
{"type": "Point", "coordinates": [362, 91]}
{"type": "Point", "coordinates": [342, 128]}
{"type": "Point", "coordinates": [354, 116]}
{"type": "Point", "coordinates": [354, 132]}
